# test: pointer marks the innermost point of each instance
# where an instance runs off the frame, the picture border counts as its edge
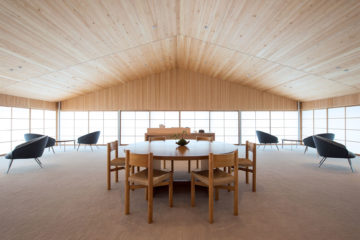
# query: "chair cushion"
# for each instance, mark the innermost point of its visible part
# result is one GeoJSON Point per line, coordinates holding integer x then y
{"type": "Point", "coordinates": [244, 162]}
{"type": "Point", "coordinates": [142, 177]}
{"type": "Point", "coordinates": [117, 162]}
{"type": "Point", "coordinates": [220, 177]}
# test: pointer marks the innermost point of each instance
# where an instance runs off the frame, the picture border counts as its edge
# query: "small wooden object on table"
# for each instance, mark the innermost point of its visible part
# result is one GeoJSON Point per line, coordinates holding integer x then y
{"type": "Point", "coordinates": [65, 141]}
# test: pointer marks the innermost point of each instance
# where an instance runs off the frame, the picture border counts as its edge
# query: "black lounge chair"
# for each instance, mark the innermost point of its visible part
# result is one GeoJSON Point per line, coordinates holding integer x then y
{"type": "Point", "coordinates": [89, 139]}
{"type": "Point", "coordinates": [50, 143]}
{"type": "Point", "coordinates": [331, 149]}
{"type": "Point", "coordinates": [309, 142]}
{"type": "Point", "coordinates": [266, 138]}
{"type": "Point", "coordinates": [31, 149]}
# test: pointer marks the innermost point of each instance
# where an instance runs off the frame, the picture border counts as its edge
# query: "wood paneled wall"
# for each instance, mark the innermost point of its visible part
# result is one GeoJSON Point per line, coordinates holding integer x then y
{"type": "Point", "coordinates": [13, 101]}
{"type": "Point", "coordinates": [178, 89]}
{"type": "Point", "coordinates": [348, 100]}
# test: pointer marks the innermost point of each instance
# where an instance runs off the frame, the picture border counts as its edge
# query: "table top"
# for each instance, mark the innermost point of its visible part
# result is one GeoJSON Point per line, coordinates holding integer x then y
{"type": "Point", "coordinates": [169, 150]}
{"type": "Point", "coordinates": [70, 140]}
{"type": "Point", "coordinates": [292, 140]}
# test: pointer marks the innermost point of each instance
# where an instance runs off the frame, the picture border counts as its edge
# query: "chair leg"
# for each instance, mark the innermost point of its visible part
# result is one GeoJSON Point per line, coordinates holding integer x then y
{"type": "Point", "coordinates": [11, 161]}
{"type": "Point", "coordinates": [264, 146]}
{"type": "Point", "coordinates": [171, 190]}
{"type": "Point", "coordinates": [164, 164]}
{"type": "Point", "coordinates": [38, 162]}
{"type": "Point", "coordinates": [211, 204]}
{"type": "Point", "coordinates": [254, 181]}
{"type": "Point", "coordinates": [322, 161]}
{"type": "Point", "coordinates": [349, 160]}
{"type": "Point", "coordinates": [150, 204]}
{"type": "Point", "coordinates": [91, 148]}
{"type": "Point", "coordinates": [247, 175]}
{"type": "Point", "coordinates": [236, 198]}
{"type": "Point", "coordinates": [117, 176]}
{"type": "Point", "coordinates": [78, 147]}
{"type": "Point", "coordinates": [108, 179]}
{"type": "Point", "coordinates": [306, 148]}
{"type": "Point", "coordinates": [197, 164]}
{"type": "Point", "coordinates": [127, 197]}
{"type": "Point", "coordinates": [172, 165]}
{"type": "Point", "coordinates": [53, 149]}
{"type": "Point", "coordinates": [192, 191]}
{"type": "Point", "coordinates": [189, 166]}
{"type": "Point", "coordinates": [277, 147]}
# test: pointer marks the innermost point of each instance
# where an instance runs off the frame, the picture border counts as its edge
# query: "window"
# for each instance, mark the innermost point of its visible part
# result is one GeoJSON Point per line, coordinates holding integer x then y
{"type": "Point", "coordinates": [50, 123]}
{"type": "Point", "coordinates": [19, 125]}
{"type": "Point", "coordinates": [81, 124]}
{"type": "Point", "coordinates": [336, 123]}
{"type": "Point", "coordinates": [307, 123]}
{"type": "Point", "coordinates": [225, 126]}
{"type": "Point", "coordinates": [284, 125]}
{"type": "Point", "coordinates": [169, 119]}
{"type": "Point", "coordinates": [320, 121]}
{"type": "Point", "coordinates": [195, 120]}
{"type": "Point", "coordinates": [5, 130]}
{"type": "Point", "coordinates": [67, 125]}
{"type": "Point", "coordinates": [37, 121]}
{"type": "Point", "coordinates": [353, 128]}
{"type": "Point", "coordinates": [248, 129]}
{"type": "Point", "coordinates": [134, 126]}
{"type": "Point", "coordinates": [110, 126]}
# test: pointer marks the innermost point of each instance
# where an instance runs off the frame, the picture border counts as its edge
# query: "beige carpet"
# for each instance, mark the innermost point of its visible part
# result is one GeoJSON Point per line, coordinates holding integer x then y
{"type": "Point", "coordinates": [68, 200]}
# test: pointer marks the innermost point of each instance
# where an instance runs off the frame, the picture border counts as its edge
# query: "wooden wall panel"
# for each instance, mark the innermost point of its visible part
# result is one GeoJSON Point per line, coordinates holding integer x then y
{"type": "Point", "coordinates": [179, 89]}
{"type": "Point", "coordinates": [13, 101]}
{"type": "Point", "coordinates": [348, 100]}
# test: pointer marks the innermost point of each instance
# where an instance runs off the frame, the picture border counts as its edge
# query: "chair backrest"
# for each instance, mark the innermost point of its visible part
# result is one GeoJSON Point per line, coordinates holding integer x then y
{"type": "Point", "coordinates": [329, 148]}
{"type": "Point", "coordinates": [204, 138]}
{"type": "Point", "coordinates": [112, 146]}
{"type": "Point", "coordinates": [139, 160]}
{"type": "Point", "coordinates": [223, 160]}
{"type": "Point", "coordinates": [264, 137]}
{"type": "Point", "coordinates": [90, 138]}
{"type": "Point", "coordinates": [31, 149]}
{"type": "Point", "coordinates": [159, 138]}
{"type": "Point", "coordinates": [251, 147]}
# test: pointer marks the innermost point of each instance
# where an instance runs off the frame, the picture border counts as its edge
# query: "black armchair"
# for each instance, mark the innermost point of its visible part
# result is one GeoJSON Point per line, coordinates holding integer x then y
{"type": "Point", "coordinates": [31, 149]}
{"type": "Point", "coordinates": [50, 143]}
{"type": "Point", "coordinates": [266, 138]}
{"type": "Point", "coordinates": [309, 141]}
{"type": "Point", "coordinates": [331, 149]}
{"type": "Point", "coordinates": [89, 139]}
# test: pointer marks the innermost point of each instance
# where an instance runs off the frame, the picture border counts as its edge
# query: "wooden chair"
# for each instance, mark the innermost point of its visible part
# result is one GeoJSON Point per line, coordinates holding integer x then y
{"type": "Point", "coordinates": [113, 164]}
{"type": "Point", "coordinates": [162, 138]}
{"type": "Point", "coordinates": [147, 178]}
{"type": "Point", "coordinates": [247, 165]}
{"type": "Point", "coordinates": [216, 178]}
{"type": "Point", "coordinates": [199, 138]}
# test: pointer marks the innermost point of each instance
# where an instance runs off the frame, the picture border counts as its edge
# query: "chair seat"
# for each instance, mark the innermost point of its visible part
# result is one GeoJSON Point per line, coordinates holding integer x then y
{"type": "Point", "coordinates": [244, 162]}
{"type": "Point", "coordinates": [351, 155]}
{"type": "Point", "coordinates": [142, 177]}
{"type": "Point", "coordinates": [220, 177]}
{"type": "Point", "coordinates": [117, 162]}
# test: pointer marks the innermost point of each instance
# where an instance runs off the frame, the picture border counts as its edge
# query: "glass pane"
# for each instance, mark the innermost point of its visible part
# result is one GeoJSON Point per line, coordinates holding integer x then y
{"type": "Point", "coordinates": [336, 123]}
{"type": "Point", "coordinates": [111, 115]}
{"type": "Point", "coordinates": [67, 115]}
{"type": "Point", "coordinates": [353, 135]}
{"type": "Point", "coordinates": [20, 124]}
{"type": "Point", "coordinates": [20, 113]}
{"type": "Point", "coordinates": [37, 124]}
{"type": "Point", "coordinates": [127, 115]}
{"type": "Point", "coordinates": [50, 114]}
{"type": "Point", "coordinates": [5, 112]}
{"type": "Point", "coordinates": [353, 146]}
{"type": "Point", "coordinates": [96, 115]}
{"type": "Point", "coordinates": [353, 123]}
{"type": "Point", "coordinates": [50, 123]}
{"type": "Point", "coordinates": [308, 114]}
{"type": "Point", "coordinates": [320, 113]}
{"type": "Point", "coordinates": [291, 115]}
{"type": "Point", "coordinates": [5, 147]}
{"type": "Point", "coordinates": [81, 115]}
{"type": "Point", "coordinates": [336, 112]}
{"type": "Point", "coordinates": [216, 115]}
{"type": "Point", "coordinates": [187, 115]}
{"type": "Point", "coordinates": [202, 115]}
{"type": "Point", "coordinates": [262, 115]}
{"type": "Point", "coordinates": [277, 115]}
{"type": "Point", "coordinates": [5, 124]}
{"type": "Point", "coordinates": [157, 115]}
{"type": "Point", "coordinates": [172, 115]}
{"type": "Point", "coordinates": [142, 115]}
{"type": "Point", "coordinates": [37, 114]}
{"type": "Point", "coordinates": [247, 115]}
{"type": "Point", "coordinates": [353, 112]}
{"type": "Point", "coordinates": [5, 136]}
{"type": "Point", "coordinates": [231, 115]}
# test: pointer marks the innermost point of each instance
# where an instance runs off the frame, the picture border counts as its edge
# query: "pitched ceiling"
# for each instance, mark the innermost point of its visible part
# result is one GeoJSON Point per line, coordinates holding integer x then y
{"type": "Point", "coordinates": [54, 50]}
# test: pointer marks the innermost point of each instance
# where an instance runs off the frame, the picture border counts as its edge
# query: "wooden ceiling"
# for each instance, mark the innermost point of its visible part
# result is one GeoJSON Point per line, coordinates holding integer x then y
{"type": "Point", "coordinates": [55, 50]}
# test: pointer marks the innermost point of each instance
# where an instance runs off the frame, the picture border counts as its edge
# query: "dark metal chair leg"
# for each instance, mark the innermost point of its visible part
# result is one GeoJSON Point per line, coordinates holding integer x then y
{"type": "Point", "coordinates": [38, 162]}
{"type": "Point", "coordinates": [277, 147]}
{"type": "Point", "coordinates": [78, 147]}
{"type": "Point", "coordinates": [322, 161]}
{"type": "Point", "coordinates": [53, 149]}
{"type": "Point", "coordinates": [11, 161]}
{"type": "Point", "coordinates": [306, 149]}
{"type": "Point", "coordinates": [349, 160]}
{"type": "Point", "coordinates": [91, 148]}
{"type": "Point", "coordinates": [264, 146]}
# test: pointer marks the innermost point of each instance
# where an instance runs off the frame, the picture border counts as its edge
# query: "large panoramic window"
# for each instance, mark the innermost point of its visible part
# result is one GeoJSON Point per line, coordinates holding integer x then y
{"type": "Point", "coordinates": [67, 125]}
{"type": "Point", "coordinates": [168, 119]}
{"type": "Point", "coordinates": [111, 127]}
{"type": "Point", "coordinates": [284, 125]}
{"type": "Point", "coordinates": [5, 130]}
{"type": "Point", "coordinates": [196, 121]}
{"type": "Point", "coordinates": [19, 125]}
{"type": "Point", "coordinates": [307, 123]}
{"type": "Point", "coordinates": [225, 126]}
{"type": "Point", "coordinates": [43, 122]}
{"type": "Point", "coordinates": [336, 123]}
{"type": "Point", "coordinates": [134, 126]}
{"type": "Point", "coordinates": [353, 128]}
{"type": "Point", "coordinates": [320, 125]}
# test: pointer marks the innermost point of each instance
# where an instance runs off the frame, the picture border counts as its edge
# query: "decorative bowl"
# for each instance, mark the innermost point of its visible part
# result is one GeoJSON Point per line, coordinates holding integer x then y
{"type": "Point", "coordinates": [182, 142]}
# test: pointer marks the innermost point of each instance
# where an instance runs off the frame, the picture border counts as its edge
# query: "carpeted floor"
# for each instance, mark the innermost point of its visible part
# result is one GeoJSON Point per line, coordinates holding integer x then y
{"type": "Point", "coordinates": [68, 200]}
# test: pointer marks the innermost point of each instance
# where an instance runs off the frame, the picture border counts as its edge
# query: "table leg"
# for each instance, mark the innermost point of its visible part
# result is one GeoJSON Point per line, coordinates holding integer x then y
{"type": "Point", "coordinates": [282, 143]}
